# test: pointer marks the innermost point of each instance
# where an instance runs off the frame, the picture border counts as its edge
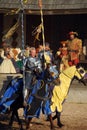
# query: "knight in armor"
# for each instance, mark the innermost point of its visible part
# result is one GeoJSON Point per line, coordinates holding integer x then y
{"type": "Point", "coordinates": [39, 99]}
{"type": "Point", "coordinates": [74, 48]}
{"type": "Point", "coordinates": [32, 68]}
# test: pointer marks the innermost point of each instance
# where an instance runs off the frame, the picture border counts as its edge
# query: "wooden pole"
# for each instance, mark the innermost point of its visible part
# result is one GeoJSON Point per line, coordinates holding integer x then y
{"type": "Point", "coordinates": [42, 22]}
{"type": "Point", "coordinates": [23, 43]}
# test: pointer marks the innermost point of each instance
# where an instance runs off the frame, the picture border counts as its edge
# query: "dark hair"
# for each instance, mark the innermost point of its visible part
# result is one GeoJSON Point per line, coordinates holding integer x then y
{"type": "Point", "coordinates": [6, 53]}
{"type": "Point", "coordinates": [47, 44]}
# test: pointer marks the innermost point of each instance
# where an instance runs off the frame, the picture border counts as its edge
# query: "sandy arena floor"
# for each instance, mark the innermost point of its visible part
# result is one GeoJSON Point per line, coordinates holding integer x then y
{"type": "Point", "coordinates": [74, 117]}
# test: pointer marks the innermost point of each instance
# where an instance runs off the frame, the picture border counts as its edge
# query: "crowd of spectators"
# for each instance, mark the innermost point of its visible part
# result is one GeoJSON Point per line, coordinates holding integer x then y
{"type": "Point", "coordinates": [11, 59]}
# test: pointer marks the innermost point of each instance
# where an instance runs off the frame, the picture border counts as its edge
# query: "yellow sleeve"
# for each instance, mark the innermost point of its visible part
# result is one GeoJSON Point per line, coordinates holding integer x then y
{"type": "Point", "coordinates": [80, 46]}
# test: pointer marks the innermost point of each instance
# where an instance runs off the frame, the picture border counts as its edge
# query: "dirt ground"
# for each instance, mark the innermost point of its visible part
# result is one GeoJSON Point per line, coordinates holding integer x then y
{"type": "Point", "coordinates": [74, 117]}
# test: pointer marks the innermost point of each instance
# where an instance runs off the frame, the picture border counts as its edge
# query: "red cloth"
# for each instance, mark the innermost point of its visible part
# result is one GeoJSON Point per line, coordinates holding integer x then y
{"type": "Point", "coordinates": [74, 62]}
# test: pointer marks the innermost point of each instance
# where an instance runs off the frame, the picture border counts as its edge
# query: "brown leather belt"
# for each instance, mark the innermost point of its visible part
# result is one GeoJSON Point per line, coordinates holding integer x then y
{"type": "Point", "coordinates": [73, 50]}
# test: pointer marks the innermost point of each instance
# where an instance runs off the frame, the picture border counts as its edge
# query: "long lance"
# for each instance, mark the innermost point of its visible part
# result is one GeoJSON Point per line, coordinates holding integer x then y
{"type": "Point", "coordinates": [42, 22]}
{"type": "Point", "coordinates": [23, 43]}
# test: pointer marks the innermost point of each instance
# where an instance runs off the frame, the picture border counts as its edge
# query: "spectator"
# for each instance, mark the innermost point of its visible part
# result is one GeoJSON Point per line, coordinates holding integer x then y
{"type": "Point", "coordinates": [1, 59]}
{"type": "Point", "coordinates": [7, 65]}
{"type": "Point", "coordinates": [74, 48]}
{"type": "Point", "coordinates": [27, 51]}
{"type": "Point", "coordinates": [64, 56]}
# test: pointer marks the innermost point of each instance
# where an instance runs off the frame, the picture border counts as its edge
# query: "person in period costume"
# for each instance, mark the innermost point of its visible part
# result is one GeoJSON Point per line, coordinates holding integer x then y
{"type": "Point", "coordinates": [32, 66]}
{"type": "Point", "coordinates": [45, 54]}
{"type": "Point", "coordinates": [5, 49]}
{"type": "Point", "coordinates": [7, 65]}
{"type": "Point", "coordinates": [1, 59]}
{"type": "Point", "coordinates": [64, 56]}
{"type": "Point", "coordinates": [39, 98]}
{"type": "Point", "coordinates": [27, 51]}
{"type": "Point", "coordinates": [74, 48]}
{"type": "Point", "coordinates": [49, 58]}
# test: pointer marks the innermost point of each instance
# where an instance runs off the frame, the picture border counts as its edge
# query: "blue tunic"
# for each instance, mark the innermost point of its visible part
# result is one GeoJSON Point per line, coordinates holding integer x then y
{"type": "Point", "coordinates": [11, 94]}
{"type": "Point", "coordinates": [38, 100]}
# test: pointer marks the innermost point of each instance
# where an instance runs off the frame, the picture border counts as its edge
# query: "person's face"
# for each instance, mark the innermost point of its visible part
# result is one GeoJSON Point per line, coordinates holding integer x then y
{"type": "Point", "coordinates": [47, 47]}
{"type": "Point", "coordinates": [27, 48]}
{"type": "Point", "coordinates": [64, 45]}
{"type": "Point", "coordinates": [40, 47]}
{"type": "Point", "coordinates": [7, 49]}
{"type": "Point", "coordinates": [72, 37]}
{"type": "Point", "coordinates": [33, 53]}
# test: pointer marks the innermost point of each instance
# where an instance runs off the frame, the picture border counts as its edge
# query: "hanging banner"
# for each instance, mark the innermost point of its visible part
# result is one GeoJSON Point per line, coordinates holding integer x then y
{"type": "Point", "coordinates": [25, 1]}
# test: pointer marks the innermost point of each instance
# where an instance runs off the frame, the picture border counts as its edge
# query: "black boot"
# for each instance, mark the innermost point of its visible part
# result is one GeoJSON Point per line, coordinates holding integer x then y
{"type": "Point", "coordinates": [58, 119]}
{"type": "Point", "coordinates": [54, 117]}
